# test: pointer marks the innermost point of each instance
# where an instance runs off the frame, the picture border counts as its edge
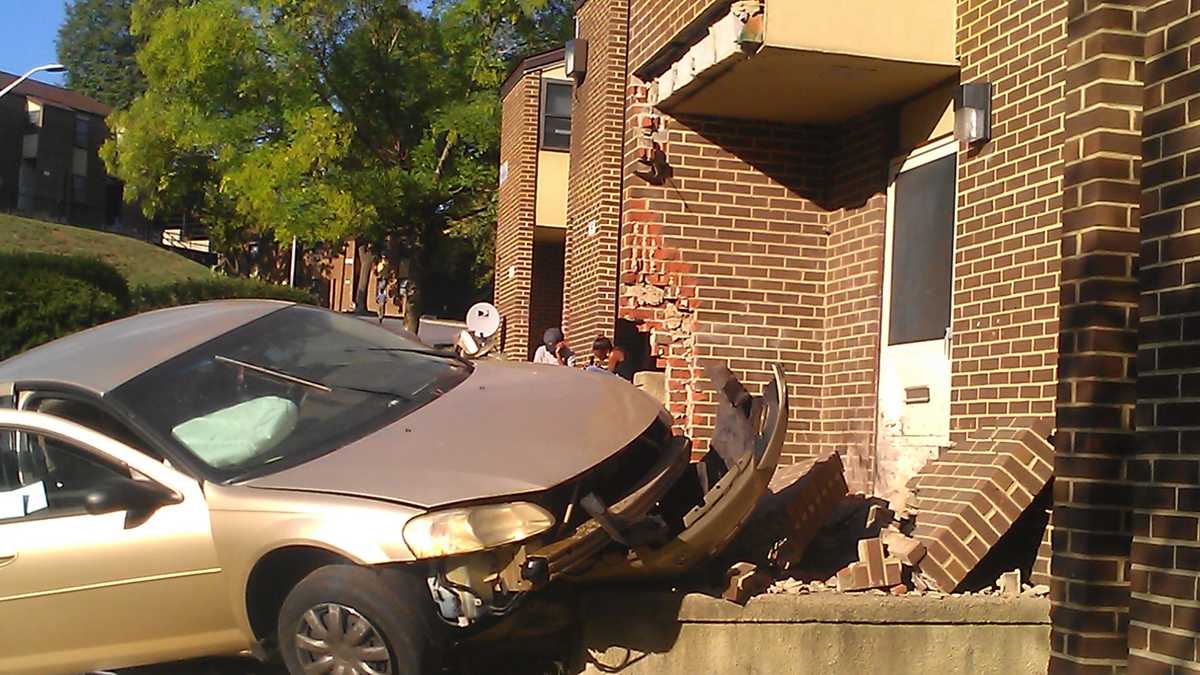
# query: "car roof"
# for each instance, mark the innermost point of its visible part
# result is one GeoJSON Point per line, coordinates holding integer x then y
{"type": "Point", "coordinates": [103, 358]}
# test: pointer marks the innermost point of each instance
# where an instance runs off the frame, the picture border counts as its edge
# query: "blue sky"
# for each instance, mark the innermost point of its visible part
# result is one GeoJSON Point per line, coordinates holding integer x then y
{"type": "Point", "coordinates": [28, 29]}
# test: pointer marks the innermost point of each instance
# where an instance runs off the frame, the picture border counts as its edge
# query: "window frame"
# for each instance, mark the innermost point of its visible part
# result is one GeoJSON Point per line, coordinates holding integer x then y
{"type": "Point", "coordinates": [87, 131]}
{"type": "Point", "coordinates": [119, 469]}
{"type": "Point", "coordinates": [544, 114]}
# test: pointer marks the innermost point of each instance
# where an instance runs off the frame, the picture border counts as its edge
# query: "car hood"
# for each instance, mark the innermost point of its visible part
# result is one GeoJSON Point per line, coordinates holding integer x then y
{"type": "Point", "coordinates": [507, 429]}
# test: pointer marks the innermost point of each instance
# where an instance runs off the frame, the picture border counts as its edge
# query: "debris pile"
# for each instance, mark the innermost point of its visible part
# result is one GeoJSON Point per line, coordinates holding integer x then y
{"type": "Point", "coordinates": [809, 536]}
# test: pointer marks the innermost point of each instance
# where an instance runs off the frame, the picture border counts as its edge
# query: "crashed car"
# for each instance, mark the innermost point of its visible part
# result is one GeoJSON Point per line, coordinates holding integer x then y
{"type": "Point", "coordinates": [277, 479]}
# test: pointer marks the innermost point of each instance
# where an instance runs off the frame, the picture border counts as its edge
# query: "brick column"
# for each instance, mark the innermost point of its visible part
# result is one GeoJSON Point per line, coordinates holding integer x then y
{"type": "Point", "coordinates": [1165, 609]}
{"type": "Point", "coordinates": [1097, 339]}
{"type": "Point", "coordinates": [516, 213]}
{"type": "Point", "coordinates": [594, 198]}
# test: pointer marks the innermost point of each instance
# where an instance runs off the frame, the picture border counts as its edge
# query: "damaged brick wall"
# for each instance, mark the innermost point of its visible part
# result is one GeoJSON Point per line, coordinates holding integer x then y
{"type": "Point", "coordinates": [724, 258]}
{"type": "Point", "coordinates": [594, 197]}
{"type": "Point", "coordinates": [516, 212]}
{"type": "Point", "coordinates": [1009, 195]}
{"type": "Point", "coordinates": [1097, 342]}
{"type": "Point", "coordinates": [1164, 475]}
{"type": "Point", "coordinates": [660, 21]}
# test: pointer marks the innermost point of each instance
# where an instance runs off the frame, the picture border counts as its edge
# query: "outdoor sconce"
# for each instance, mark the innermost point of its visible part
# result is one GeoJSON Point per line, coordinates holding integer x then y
{"type": "Point", "coordinates": [973, 113]}
{"type": "Point", "coordinates": [575, 55]}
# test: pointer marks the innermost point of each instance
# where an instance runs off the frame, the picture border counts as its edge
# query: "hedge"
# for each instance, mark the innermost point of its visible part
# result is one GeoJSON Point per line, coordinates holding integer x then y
{"type": "Point", "coordinates": [191, 291]}
{"type": "Point", "coordinates": [43, 297]}
{"type": "Point", "coordinates": [38, 305]}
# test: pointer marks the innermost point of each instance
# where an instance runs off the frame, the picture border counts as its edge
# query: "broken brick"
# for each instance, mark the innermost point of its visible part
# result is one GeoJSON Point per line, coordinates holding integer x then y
{"type": "Point", "coordinates": [1009, 583]}
{"type": "Point", "coordinates": [871, 570]}
{"type": "Point", "coordinates": [798, 502]}
{"type": "Point", "coordinates": [905, 549]}
{"type": "Point", "coordinates": [745, 581]}
{"type": "Point", "coordinates": [870, 551]}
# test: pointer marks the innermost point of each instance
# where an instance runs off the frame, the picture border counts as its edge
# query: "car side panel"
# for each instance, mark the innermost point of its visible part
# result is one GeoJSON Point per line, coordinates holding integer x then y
{"type": "Point", "coordinates": [95, 591]}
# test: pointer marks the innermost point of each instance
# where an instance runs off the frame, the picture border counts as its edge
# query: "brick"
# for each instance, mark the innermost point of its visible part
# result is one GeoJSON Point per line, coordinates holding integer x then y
{"type": "Point", "coordinates": [907, 550]}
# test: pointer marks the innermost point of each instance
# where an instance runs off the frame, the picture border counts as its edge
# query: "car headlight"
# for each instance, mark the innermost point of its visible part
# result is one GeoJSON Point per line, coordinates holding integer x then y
{"type": "Point", "coordinates": [474, 528]}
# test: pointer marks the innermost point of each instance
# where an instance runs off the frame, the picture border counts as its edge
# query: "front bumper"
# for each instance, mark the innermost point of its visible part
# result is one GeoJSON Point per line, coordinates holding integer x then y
{"type": "Point", "coordinates": [712, 497]}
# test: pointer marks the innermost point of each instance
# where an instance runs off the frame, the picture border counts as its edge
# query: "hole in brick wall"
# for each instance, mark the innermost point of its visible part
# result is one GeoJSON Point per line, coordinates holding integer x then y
{"type": "Point", "coordinates": [635, 344]}
{"type": "Point", "coordinates": [1018, 548]}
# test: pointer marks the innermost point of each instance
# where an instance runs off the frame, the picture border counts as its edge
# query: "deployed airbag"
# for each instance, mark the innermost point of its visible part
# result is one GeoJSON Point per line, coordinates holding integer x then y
{"type": "Point", "coordinates": [235, 434]}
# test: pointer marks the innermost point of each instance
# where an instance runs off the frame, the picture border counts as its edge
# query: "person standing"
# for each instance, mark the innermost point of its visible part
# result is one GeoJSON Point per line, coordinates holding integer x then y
{"type": "Point", "coordinates": [381, 290]}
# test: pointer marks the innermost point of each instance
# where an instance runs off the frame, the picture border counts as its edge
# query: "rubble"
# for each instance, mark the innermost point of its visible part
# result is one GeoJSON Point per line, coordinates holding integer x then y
{"type": "Point", "coordinates": [809, 535]}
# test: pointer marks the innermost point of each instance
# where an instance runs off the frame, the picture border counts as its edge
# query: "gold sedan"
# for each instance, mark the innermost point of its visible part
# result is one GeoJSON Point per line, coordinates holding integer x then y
{"type": "Point", "coordinates": [275, 479]}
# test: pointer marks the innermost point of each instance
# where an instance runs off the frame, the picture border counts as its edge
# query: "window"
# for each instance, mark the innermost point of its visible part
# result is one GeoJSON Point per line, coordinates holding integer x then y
{"type": "Point", "coordinates": [79, 187]}
{"type": "Point", "coordinates": [82, 127]}
{"type": "Point", "coordinates": [44, 477]}
{"type": "Point", "coordinates": [556, 115]}
{"type": "Point", "coordinates": [90, 416]}
{"type": "Point", "coordinates": [922, 253]}
{"type": "Point", "coordinates": [34, 110]}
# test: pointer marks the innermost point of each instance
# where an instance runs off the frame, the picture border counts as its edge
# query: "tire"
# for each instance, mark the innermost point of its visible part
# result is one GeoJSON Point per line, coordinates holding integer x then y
{"type": "Point", "coordinates": [401, 636]}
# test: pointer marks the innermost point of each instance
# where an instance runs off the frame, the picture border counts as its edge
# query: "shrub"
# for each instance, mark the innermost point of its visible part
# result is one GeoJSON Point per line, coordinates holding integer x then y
{"type": "Point", "coordinates": [91, 271]}
{"type": "Point", "coordinates": [190, 291]}
{"type": "Point", "coordinates": [44, 297]}
{"type": "Point", "coordinates": [38, 305]}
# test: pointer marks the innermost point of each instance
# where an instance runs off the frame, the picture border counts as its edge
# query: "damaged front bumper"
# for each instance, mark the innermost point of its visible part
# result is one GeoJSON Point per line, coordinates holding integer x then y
{"type": "Point", "coordinates": [678, 514]}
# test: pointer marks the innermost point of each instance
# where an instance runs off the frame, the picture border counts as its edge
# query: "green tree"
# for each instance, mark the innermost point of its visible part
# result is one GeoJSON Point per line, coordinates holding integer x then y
{"type": "Point", "coordinates": [330, 119]}
{"type": "Point", "coordinates": [96, 45]}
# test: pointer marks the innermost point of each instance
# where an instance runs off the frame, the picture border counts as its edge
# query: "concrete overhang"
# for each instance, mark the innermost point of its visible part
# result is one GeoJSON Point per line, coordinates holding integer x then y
{"type": "Point", "coordinates": [803, 61]}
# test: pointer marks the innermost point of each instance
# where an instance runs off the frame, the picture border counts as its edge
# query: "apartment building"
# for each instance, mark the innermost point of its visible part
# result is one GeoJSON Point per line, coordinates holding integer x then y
{"type": "Point", "coordinates": [965, 227]}
{"type": "Point", "coordinates": [49, 165]}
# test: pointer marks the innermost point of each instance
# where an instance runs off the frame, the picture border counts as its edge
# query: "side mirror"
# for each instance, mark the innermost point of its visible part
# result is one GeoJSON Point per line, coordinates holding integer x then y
{"type": "Point", "coordinates": [138, 498]}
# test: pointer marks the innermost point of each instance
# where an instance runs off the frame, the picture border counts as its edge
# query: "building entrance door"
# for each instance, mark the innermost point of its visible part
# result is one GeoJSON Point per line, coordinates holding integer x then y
{"type": "Point", "coordinates": [914, 377]}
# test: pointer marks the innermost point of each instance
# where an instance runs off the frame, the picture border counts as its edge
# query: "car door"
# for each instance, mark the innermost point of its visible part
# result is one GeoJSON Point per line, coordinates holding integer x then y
{"type": "Point", "coordinates": [81, 592]}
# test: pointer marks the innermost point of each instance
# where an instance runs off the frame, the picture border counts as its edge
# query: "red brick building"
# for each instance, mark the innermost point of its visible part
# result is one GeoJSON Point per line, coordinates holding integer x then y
{"type": "Point", "coordinates": [757, 182]}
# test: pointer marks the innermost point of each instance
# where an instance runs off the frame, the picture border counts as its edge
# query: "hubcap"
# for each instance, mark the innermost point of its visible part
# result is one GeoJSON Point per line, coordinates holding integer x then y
{"type": "Point", "coordinates": [336, 640]}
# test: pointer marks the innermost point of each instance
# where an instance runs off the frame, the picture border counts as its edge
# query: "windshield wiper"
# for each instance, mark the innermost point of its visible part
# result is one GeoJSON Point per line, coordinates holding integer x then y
{"type": "Point", "coordinates": [328, 389]}
{"type": "Point", "coordinates": [437, 353]}
{"type": "Point", "coordinates": [275, 374]}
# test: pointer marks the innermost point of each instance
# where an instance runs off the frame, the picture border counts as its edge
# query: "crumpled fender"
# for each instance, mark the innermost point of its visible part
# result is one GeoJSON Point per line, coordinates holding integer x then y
{"type": "Point", "coordinates": [749, 437]}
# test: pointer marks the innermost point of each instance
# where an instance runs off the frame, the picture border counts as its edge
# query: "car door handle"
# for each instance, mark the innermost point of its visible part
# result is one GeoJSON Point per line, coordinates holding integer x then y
{"type": "Point", "coordinates": [7, 556]}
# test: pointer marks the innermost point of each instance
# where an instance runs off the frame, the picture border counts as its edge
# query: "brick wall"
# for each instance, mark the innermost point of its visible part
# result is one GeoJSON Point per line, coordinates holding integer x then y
{"type": "Point", "coordinates": [1165, 609]}
{"type": "Point", "coordinates": [854, 286]}
{"type": "Point", "coordinates": [1089, 578]}
{"type": "Point", "coordinates": [658, 22]}
{"type": "Point", "coordinates": [1009, 198]}
{"type": "Point", "coordinates": [516, 212]}
{"type": "Point", "coordinates": [725, 261]}
{"type": "Point", "coordinates": [594, 197]}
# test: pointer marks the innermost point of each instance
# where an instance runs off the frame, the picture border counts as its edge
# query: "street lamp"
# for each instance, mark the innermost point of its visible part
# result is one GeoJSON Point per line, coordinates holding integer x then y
{"type": "Point", "coordinates": [48, 68]}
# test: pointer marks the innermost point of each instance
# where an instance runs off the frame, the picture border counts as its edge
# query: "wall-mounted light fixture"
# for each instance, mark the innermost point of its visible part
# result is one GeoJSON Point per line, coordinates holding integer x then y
{"type": "Point", "coordinates": [973, 113]}
{"type": "Point", "coordinates": [575, 55]}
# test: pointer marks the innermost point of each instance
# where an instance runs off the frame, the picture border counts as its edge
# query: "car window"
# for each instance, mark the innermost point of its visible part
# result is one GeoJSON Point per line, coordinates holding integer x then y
{"type": "Point", "coordinates": [93, 417]}
{"type": "Point", "coordinates": [44, 477]}
{"type": "Point", "coordinates": [283, 389]}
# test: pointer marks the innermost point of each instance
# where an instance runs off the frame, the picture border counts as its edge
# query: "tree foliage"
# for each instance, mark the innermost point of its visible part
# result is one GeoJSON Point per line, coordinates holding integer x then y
{"type": "Point", "coordinates": [329, 119]}
{"type": "Point", "coordinates": [96, 45]}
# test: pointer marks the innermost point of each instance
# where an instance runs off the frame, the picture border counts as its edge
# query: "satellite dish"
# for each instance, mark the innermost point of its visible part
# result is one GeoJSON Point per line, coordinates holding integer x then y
{"type": "Point", "coordinates": [483, 319]}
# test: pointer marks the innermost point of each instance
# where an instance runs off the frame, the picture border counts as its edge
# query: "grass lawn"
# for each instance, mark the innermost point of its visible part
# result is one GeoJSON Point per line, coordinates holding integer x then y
{"type": "Point", "coordinates": [139, 262]}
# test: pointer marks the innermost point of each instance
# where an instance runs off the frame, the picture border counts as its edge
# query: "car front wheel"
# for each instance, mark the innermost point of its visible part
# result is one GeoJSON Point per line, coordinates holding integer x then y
{"type": "Point", "coordinates": [359, 620]}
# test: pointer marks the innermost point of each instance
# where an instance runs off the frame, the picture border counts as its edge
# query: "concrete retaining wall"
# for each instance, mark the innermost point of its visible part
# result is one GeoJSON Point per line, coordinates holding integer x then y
{"type": "Point", "coordinates": [671, 634]}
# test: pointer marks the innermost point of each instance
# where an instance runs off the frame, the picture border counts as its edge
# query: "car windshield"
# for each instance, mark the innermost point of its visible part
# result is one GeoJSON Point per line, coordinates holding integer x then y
{"type": "Point", "coordinates": [285, 388]}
